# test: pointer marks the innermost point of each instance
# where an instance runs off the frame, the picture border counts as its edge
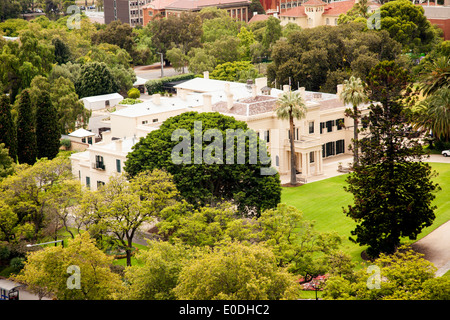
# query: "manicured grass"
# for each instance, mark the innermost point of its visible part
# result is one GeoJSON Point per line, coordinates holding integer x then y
{"type": "Point", "coordinates": [322, 201]}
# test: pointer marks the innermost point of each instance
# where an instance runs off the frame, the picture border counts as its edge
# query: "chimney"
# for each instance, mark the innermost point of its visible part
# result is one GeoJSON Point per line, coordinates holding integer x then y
{"type": "Point", "coordinates": [182, 94]}
{"type": "Point", "coordinates": [254, 92]}
{"type": "Point", "coordinates": [340, 88]}
{"type": "Point", "coordinates": [230, 101]}
{"type": "Point", "coordinates": [119, 145]}
{"type": "Point", "coordinates": [302, 93]}
{"type": "Point", "coordinates": [286, 88]}
{"type": "Point", "coordinates": [206, 74]}
{"type": "Point", "coordinates": [260, 83]}
{"type": "Point", "coordinates": [207, 105]}
{"type": "Point", "coordinates": [156, 98]}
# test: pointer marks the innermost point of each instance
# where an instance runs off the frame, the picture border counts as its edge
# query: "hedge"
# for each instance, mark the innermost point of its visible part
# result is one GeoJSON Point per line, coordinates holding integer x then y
{"type": "Point", "coordinates": [157, 85]}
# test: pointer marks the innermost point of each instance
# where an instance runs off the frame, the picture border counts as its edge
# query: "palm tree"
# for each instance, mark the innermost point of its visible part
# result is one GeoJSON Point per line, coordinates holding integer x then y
{"type": "Point", "coordinates": [353, 93]}
{"type": "Point", "coordinates": [290, 106]}
{"type": "Point", "coordinates": [436, 75]}
{"type": "Point", "coordinates": [362, 8]}
{"type": "Point", "coordinates": [433, 114]}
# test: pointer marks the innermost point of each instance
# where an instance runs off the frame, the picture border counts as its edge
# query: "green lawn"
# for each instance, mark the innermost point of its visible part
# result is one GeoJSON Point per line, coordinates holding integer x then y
{"type": "Point", "coordinates": [322, 201]}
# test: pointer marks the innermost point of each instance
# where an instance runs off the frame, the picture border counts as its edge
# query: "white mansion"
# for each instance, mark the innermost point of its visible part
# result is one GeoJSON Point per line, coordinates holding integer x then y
{"type": "Point", "coordinates": [319, 135]}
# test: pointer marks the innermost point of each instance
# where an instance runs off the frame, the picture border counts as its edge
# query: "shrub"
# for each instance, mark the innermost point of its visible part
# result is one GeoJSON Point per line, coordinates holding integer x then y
{"type": "Point", "coordinates": [4, 253]}
{"type": "Point", "coordinates": [130, 101]}
{"type": "Point", "coordinates": [66, 143]}
{"type": "Point", "coordinates": [134, 93]}
{"type": "Point", "coordinates": [157, 85]}
{"type": "Point", "coordinates": [17, 263]}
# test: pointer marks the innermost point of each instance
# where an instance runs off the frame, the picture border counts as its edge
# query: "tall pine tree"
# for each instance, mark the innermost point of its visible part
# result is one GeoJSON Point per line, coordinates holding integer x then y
{"type": "Point", "coordinates": [8, 134]}
{"type": "Point", "coordinates": [47, 129]}
{"type": "Point", "coordinates": [392, 187]}
{"type": "Point", "coordinates": [26, 132]}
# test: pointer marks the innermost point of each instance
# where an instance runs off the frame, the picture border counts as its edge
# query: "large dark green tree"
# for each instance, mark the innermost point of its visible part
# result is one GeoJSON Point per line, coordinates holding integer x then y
{"type": "Point", "coordinates": [26, 130]}
{"type": "Point", "coordinates": [391, 186]}
{"type": "Point", "coordinates": [62, 51]}
{"type": "Point", "coordinates": [407, 24]}
{"type": "Point", "coordinates": [210, 177]}
{"type": "Point", "coordinates": [184, 31]}
{"type": "Point", "coordinates": [320, 58]}
{"type": "Point", "coordinates": [95, 79]}
{"type": "Point", "coordinates": [8, 134]}
{"type": "Point", "coordinates": [47, 127]}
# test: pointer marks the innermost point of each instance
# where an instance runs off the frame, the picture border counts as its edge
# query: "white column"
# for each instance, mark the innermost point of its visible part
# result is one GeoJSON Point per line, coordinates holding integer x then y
{"type": "Point", "coordinates": [316, 162]}
{"type": "Point", "coordinates": [320, 162]}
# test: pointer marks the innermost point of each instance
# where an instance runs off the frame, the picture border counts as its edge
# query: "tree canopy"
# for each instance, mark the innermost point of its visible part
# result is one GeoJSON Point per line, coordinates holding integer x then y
{"type": "Point", "coordinates": [212, 178]}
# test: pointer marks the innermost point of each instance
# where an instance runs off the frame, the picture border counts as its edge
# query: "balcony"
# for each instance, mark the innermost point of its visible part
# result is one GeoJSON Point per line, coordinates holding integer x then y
{"type": "Point", "coordinates": [304, 142]}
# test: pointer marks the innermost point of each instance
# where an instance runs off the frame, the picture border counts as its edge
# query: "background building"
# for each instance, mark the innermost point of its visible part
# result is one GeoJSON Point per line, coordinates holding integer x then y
{"type": "Point", "coordinates": [127, 11]}
{"type": "Point", "coordinates": [141, 12]}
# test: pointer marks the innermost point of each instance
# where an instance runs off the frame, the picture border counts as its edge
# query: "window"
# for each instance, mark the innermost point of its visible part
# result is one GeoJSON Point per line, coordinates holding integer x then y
{"type": "Point", "coordinates": [88, 182]}
{"type": "Point", "coordinates": [99, 164]}
{"type": "Point", "coordinates": [340, 123]}
{"type": "Point", "coordinates": [145, 122]}
{"type": "Point", "coordinates": [340, 146]}
{"type": "Point", "coordinates": [267, 135]}
{"type": "Point", "coordinates": [328, 21]}
{"type": "Point", "coordinates": [365, 122]}
{"type": "Point", "coordinates": [297, 137]}
{"type": "Point", "coordinates": [311, 157]}
{"type": "Point", "coordinates": [322, 125]}
{"type": "Point", "coordinates": [118, 167]}
{"type": "Point", "coordinates": [330, 149]}
{"type": "Point", "coordinates": [100, 184]}
{"type": "Point", "coordinates": [83, 140]}
{"type": "Point", "coordinates": [150, 13]}
{"type": "Point", "coordinates": [330, 125]}
{"type": "Point", "coordinates": [155, 120]}
{"type": "Point", "coordinates": [107, 103]}
{"type": "Point", "coordinates": [90, 140]}
{"type": "Point", "coordinates": [277, 161]}
{"type": "Point", "coordinates": [311, 127]}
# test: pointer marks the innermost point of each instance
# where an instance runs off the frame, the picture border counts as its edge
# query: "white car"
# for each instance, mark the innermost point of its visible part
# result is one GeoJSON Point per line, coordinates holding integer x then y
{"type": "Point", "coordinates": [446, 153]}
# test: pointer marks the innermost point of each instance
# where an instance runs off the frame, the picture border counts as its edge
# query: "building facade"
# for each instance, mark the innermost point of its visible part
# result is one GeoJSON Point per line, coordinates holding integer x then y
{"type": "Point", "coordinates": [237, 9]}
{"type": "Point", "coordinates": [126, 11]}
{"type": "Point", "coordinates": [141, 12]}
{"type": "Point", "coordinates": [324, 132]}
{"type": "Point", "coordinates": [314, 13]}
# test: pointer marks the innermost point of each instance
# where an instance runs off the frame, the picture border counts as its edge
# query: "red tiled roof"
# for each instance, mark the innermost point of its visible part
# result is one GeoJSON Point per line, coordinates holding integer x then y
{"type": "Point", "coordinates": [204, 3]}
{"type": "Point", "coordinates": [259, 17]}
{"type": "Point", "coordinates": [294, 12]}
{"type": "Point", "coordinates": [336, 8]}
{"type": "Point", "coordinates": [314, 3]}
{"type": "Point", "coordinates": [159, 4]}
{"type": "Point", "coordinates": [197, 4]}
{"type": "Point", "coordinates": [333, 8]}
{"type": "Point", "coordinates": [247, 107]}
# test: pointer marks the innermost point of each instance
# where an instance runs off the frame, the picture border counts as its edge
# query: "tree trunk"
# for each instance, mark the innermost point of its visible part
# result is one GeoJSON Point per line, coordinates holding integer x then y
{"type": "Point", "coordinates": [355, 135]}
{"type": "Point", "coordinates": [128, 250]}
{"type": "Point", "coordinates": [293, 168]}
